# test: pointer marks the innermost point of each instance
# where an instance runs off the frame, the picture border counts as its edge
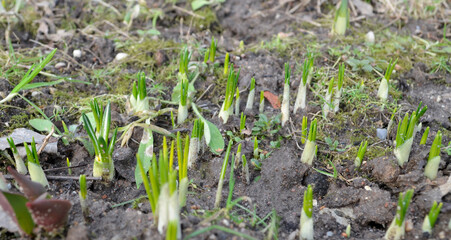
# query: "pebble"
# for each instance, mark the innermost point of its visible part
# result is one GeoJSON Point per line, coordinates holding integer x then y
{"type": "Point", "coordinates": [441, 235]}
{"type": "Point", "coordinates": [226, 222]}
{"type": "Point", "coordinates": [76, 53]}
{"type": "Point", "coordinates": [121, 56]}
{"type": "Point", "coordinates": [409, 225]}
{"type": "Point", "coordinates": [381, 133]}
{"type": "Point", "coordinates": [329, 234]}
{"type": "Point", "coordinates": [60, 65]}
{"type": "Point", "coordinates": [369, 37]}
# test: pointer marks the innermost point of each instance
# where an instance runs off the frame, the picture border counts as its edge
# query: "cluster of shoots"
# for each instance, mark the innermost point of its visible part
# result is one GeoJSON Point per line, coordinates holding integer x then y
{"type": "Point", "coordinates": [251, 96]}
{"type": "Point", "coordinates": [222, 176]}
{"type": "Point", "coordinates": [339, 90]}
{"type": "Point", "coordinates": [34, 167]}
{"type": "Point", "coordinates": [310, 148]}
{"type": "Point", "coordinates": [397, 229]}
{"type": "Point", "coordinates": [430, 171]}
{"type": "Point", "coordinates": [182, 76]}
{"type": "Point", "coordinates": [241, 159]}
{"type": "Point", "coordinates": [210, 54]}
{"type": "Point", "coordinates": [286, 96]}
{"type": "Point", "coordinates": [407, 129]}
{"type": "Point", "coordinates": [341, 20]}
{"type": "Point", "coordinates": [183, 152]}
{"type": "Point", "coordinates": [362, 149]}
{"type": "Point", "coordinates": [83, 195]}
{"type": "Point", "coordinates": [20, 165]}
{"type": "Point", "coordinates": [103, 162]}
{"type": "Point", "coordinates": [195, 143]}
{"type": "Point", "coordinates": [431, 218]}
{"type": "Point", "coordinates": [382, 93]}
{"type": "Point", "coordinates": [424, 138]}
{"type": "Point", "coordinates": [306, 225]}
{"type": "Point", "coordinates": [138, 99]}
{"type": "Point", "coordinates": [307, 74]}
{"type": "Point", "coordinates": [232, 82]}
{"type": "Point", "coordinates": [327, 99]}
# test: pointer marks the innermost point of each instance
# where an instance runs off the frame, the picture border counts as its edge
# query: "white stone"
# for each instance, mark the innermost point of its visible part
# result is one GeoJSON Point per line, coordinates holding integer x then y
{"type": "Point", "coordinates": [121, 56]}
{"type": "Point", "coordinates": [369, 37]}
{"type": "Point", "coordinates": [76, 53]}
{"type": "Point", "coordinates": [60, 65]}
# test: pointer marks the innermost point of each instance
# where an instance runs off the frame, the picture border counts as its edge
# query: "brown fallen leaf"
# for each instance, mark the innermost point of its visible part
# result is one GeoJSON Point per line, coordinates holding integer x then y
{"type": "Point", "coordinates": [273, 99]}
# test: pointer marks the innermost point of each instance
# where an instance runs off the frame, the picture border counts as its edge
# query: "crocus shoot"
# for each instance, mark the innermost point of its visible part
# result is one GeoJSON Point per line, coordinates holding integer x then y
{"type": "Point", "coordinates": [245, 169]}
{"type": "Point", "coordinates": [103, 162]}
{"type": "Point", "coordinates": [431, 218]}
{"type": "Point", "coordinates": [301, 97]}
{"type": "Point", "coordinates": [226, 64]}
{"type": "Point", "coordinates": [222, 176]}
{"type": "Point", "coordinates": [242, 123]}
{"type": "Point", "coordinates": [362, 149]}
{"type": "Point", "coordinates": [327, 99]}
{"type": "Point", "coordinates": [310, 148]}
{"type": "Point", "coordinates": [227, 109]}
{"type": "Point", "coordinates": [237, 102]}
{"type": "Point", "coordinates": [424, 138]}
{"type": "Point", "coordinates": [261, 107]}
{"type": "Point", "coordinates": [138, 99]}
{"type": "Point", "coordinates": [430, 171]}
{"type": "Point", "coordinates": [382, 93]}
{"type": "Point", "coordinates": [182, 77]}
{"type": "Point", "coordinates": [286, 96]}
{"type": "Point", "coordinates": [397, 229]}
{"type": "Point", "coordinates": [83, 194]}
{"type": "Point", "coordinates": [182, 155]}
{"type": "Point", "coordinates": [341, 20]}
{"type": "Point", "coordinates": [250, 97]}
{"type": "Point", "coordinates": [306, 226]}
{"type": "Point", "coordinates": [339, 89]}
{"type": "Point", "coordinates": [194, 144]}
{"type": "Point", "coordinates": [20, 165]}
{"type": "Point", "coordinates": [34, 167]}
{"type": "Point", "coordinates": [304, 129]}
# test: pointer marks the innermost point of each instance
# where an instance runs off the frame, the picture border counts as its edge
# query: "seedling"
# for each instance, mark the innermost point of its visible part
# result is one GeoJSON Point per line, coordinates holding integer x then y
{"type": "Point", "coordinates": [194, 145]}
{"type": "Point", "coordinates": [306, 226]}
{"type": "Point", "coordinates": [304, 129]}
{"type": "Point", "coordinates": [34, 70]}
{"type": "Point", "coordinates": [222, 176]}
{"type": "Point", "coordinates": [430, 171]}
{"type": "Point", "coordinates": [332, 175]}
{"type": "Point", "coordinates": [327, 99]}
{"type": "Point", "coordinates": [34, 209]}
{"type": "Point", "coordinates": [34, 167]}
{"type": "Point", "coordinates": [382, 93]}
{"type": "Point", "coordinates": [256, 151]}
{"type": "Point", "coordinates": [397, 230]}
{"type": "Point", "coordinates": [251, 96]}
{"type": "Point", "coordinates": [286, 96]}
{"type": "Point", "coordinates": [261, 107]}
{"type": "Point", "coordinates": [245, 169]}
{"type": "Point", "coordinates": [307, 74]}
{"type": "Point", "coordinates": [341, 20]}
{"type": "Point", "coordinates": [20, 165]}
{"type": "Point", "coordinates": [182, 156]}
{"type": "Point", "coordinates": [424, 138]}
{"type": "Point", "coordinates": [310, 148]}
{"type": "Point", "coordinates": [407, 129]}
{"type": "Point", "coordinates": [226, 64]}
{"type": "Point", "coordinates": [212, 135]}
{"type": "Point", "coordinates": [362, 149]}
{"type": "Point", "coordinates": [174, 229]}
{"type": "Point", "coordinates": [145, 152]}
{"type": "Point", "coordinates": [232, 81]}
{"type": "Point", "coordinates": [237, 157]}
{"type": "Point", "coordinates": [242, 123]}
{"type": "Point", "coordinates": [339, 89]}
{"type": "Point", "coordinates": [183, 86]}
{"type": "Point", "coordinates": [212, 50]}
{"type": "Point", "coordinates": [237, 102]}
{"type": "Point", "coordinates": [83, 194]}
{"type": "Point", "coordinates": [103, 162]}
{"type": "Point", "coordinates": [69, 170]}
{"type": "Point", "coordinates": [138, 100]}
{"type": "Point", "coordinates": [431, 218]}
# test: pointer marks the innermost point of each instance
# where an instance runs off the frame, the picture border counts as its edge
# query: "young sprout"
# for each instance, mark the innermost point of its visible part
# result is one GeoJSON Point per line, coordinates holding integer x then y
{"type": "Point", "coordinates": [286, 96]}
{"type": "Point", "coordinates": [431, 218]}
{"type": "Point", "coordinates": [430, 171]}
{"type": "Point", "coordinates": [183, 170]}
{"type": "Point", "coordinates": [245, 169]}
{"type": "Point", "coordinates": [103, 162]}
{"type": "Point", "coordinates": [424, 138]}
{"type": "Point", "coordinates": [206, 56]}
{"type": "Point", "coordinates": [237, 157]}
{"type": "Point", "coordinates": [164, 197]}
{"type": "Point", "coordinates": [231, 86]}
{"type": "Point", "coordinates": [390, 123]}
{"type": "Point", "coordinates": [226, 64]}
{"type": "Point", "coordinates": [256, 148]}
{"type": "Point", "coordinates": [212, 50]}
{"type": "Point", "coordinates": [339, 90]}
{"type": "Point", "coordinates": [222, 176]}
{"type": "Point", "coordinates": [237, 101]}
{"type": "Point", "coordinates": [382, 93]}
{"type": "Point", "coordinates": [306, 77]}
{"type": "Point", "coordinates": [327, 99]}
{"type": "Point", "coordinates": [242, 123]}
{"type": "Point", "coordinates": [145, 152]}
{"type": "Point", "coordinates": [250, 97]}
{"type": "Point", "coordinates": [83, 196]}
{"type": "Point", "coordinates": [20, 165]}
{"type": "Point", "coordinates": [138, 99]}
{"type": "Point", "coordinates": [304, 129]}
{"type": "Point", "coordinates": [34, 167]}
{"type": "Point", "coordinates": [69, 170]}
{"type": "Point", "coordinates": [306, 226]}
{"type": "Point", "coordinates": [407, 129]}
{"type": "Point", "coordinates": [152, 193]}
{"type": "Point", "coordinates": [174, 229]}
{"type": "Point", "coordinates": [194, 144]}
{"type": "Point", "coordinates": [172, 119]}
{"type": "Point", "coordinates": [341, 19]}
{"type": "Point", "coordinates": [182, 112]}
{"type": "Point", "coordinates": [310, 148]}
{"type": "Point", "coordinates": [261, 107]}
{"type": "Point", "coordinates": [348, 231]}
{"type": "Point", "coordinates": [397, 230]}
{"type": "Point", "coordinates": [362, 149]}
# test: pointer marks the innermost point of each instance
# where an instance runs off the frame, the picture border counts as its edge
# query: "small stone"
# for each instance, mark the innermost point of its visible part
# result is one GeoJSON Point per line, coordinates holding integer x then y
{"type": "Point", "coordinates": [369, 37]}
{"type": "Point", "coordinates": [60, 65]}
{"type": "Point", "coordinates": [441, 235]}
{"type": "Point", "coordinates": [368, 188]}
{"type": "Point", "coordinates": [242, 225]}
{"type": "Point", "coordinates": [76, 53]}
{"type": "Point", "coordinates": [35, 93]}
{"type": "Point", "coordinates": [381, 133]}
{"type": "Point", "coordinates": [121, 56]}
{"type": "Point", "coordinates": [439, 99]}
{"type": "Point", "coordinates": [226, 222]}
{"type": "Point", "coordinates": [329, 234]}
{"type": "Point", "coordinates": [409, 225]}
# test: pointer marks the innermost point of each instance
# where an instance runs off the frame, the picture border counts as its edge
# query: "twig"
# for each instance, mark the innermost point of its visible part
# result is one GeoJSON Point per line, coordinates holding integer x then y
{"type": "Point", "coordinates": [46, 140]}
{"type": "Point", "coordinates": [187, 12]}
{"type": "Point", "coordinates": [203, 94]}
{"type": "Point", "coordinates": [63, 168]}
{"type": "Point", "coordinates": [60, 178]}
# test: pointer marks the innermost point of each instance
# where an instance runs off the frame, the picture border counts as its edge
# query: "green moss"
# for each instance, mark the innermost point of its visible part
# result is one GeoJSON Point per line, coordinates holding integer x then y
{"type": "Point", "coordinates": [19, 121]}
{"type": "Point", "coordinates": [206, 23]}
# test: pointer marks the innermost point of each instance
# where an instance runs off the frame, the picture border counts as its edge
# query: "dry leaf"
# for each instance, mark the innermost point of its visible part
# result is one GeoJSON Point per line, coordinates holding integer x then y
{"type": "Point", "coordinates": [273, 99]}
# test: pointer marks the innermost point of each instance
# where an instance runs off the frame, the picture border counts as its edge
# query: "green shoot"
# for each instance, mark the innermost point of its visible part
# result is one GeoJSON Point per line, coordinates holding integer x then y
{"type": "Point", "coordinates": [172, 119]}
{"type": "Point", "coordinates": [183, 173]}
{"type": "Point", "coordinates": [185, 57]}
{"type": "Point", "coordinates": [153, 194]}
{"type": "Point", "coordinates": [232, 82]}
{"type": "Point", "coordinates": [341, 74]}
{"type": "Point", "coordinates": [286, 96]}
{"type": "Point", "coordinates": [362, 149]}
{"type": "Point", "coordinates": [237, 101]}
{"type": "Point", "coordinates": [332, 175]}
{"type": "Point", "coordinates": [304, 129]}
{"type": "Point", "coordinates": [251, 96]}
{"type": "Point", "coordinates": [431, 218]}
{"type": "Point", "coordinates": [212, 50]}
{"type": "Point", "coordinates": [327, 99]}
{"type": "Point", "coordinates": [69, 170]}
{"type": "Point", "coordinates": [226, 64]}
{"type": "Point", "coordinates": [306, 225]}
{"type": "Point", "coordinates": [222, 176]}
{"type": "Point", "coordinates": [242, 123]}
{"type": "Point", "coordinates": [382, 93]}
{"type": "Point", "coordinates": [103, 163]}
{"type": "Point", "coordinates": [261, 107]}
{"type": "Point", "coordinates": [396, 230]}
{"type": "Point", "coordinates": [256, 148]}
{"type": "Point", "coordinates": [430, 171]}
{"type": "Point", "coordinates": [29, 76]}
{"type": "Point", "coordinates": [138, 99]}
{"type": "Point", "coordinates": [424, 138]}
{"type": "Point", "coordinates": [183, 104]}
{"type": "Point", "coordinates": [173, 230]}
{"type": "Point", "coordinates": [34, 167]}
{"type": "Point", "coordinates": [310, 147]}
{"type": "Point", "coordinates": [196, 136]}
{"type": "Point", "coordinates": [245, 169]}
{"type": "Point", "coordinates": [341, 20]}
{"type": "Point", "coordinates": [83, 194]}
{"type": "Point", "coordinates": [20, 165]}
{"type": "Point", "coordinates": [307, 74]}
{"type": "Point", "coordinates": [206, 56]}
{"type": "Point", "coordinates": [237, 157]}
